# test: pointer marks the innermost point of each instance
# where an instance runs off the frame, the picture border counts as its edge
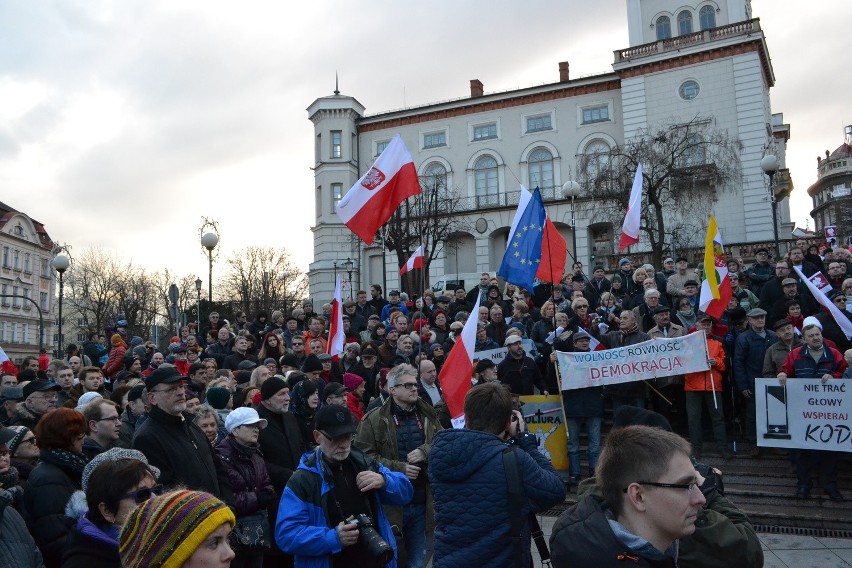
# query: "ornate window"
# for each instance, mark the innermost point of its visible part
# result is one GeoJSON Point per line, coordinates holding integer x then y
{"type": "Point", "coordinates": [485, 181]}
{"type": "Point", "coordinates": [595, 160]}
{"type": "Point", "coordinates": [689, 90]}
{"type": "Point", "coordinates": [695, 153]}
{"type": "Point", "coordinates": [684, 22]}
{"type": "Point", "coordinates": [707, 17]}
{"type": "Point", "coordinates": [434, 176]}
{"type": "Point", "coordinates": [541, 171]}
{"type": "Point", "coordinates": [664, 27]}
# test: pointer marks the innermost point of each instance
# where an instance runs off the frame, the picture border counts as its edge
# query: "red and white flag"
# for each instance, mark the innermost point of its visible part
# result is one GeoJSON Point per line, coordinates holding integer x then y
{"type": "Point", "coordinates": [817, 284]}
{"type": "Point", "coordinates": [336, 337]}
{"type": "Point", "coordinates": [630, 229]}
{"type": "Point", "coordinates": [372, 200]}
{"type": "Point", "coordinates": [458, 369]}
{"type": "Point", "coordinates": [415, 261]}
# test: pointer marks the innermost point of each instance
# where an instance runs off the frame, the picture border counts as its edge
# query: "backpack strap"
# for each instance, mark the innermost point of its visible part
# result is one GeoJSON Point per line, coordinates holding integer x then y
{"type": "Point", "coordinates": [516, 502]}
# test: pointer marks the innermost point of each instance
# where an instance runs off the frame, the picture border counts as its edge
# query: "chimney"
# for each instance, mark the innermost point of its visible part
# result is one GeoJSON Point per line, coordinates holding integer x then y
{"type": "Point", "coordinates": [475, 88]}
{"type": "Point", "coordinates": [563, 71]}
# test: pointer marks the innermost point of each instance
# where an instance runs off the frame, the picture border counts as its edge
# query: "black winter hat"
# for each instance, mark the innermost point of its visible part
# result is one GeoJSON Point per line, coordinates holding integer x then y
{"type": "Point", "coordinates": [312, 363]}
{"type": "Point", "coordinates": [271, 386]}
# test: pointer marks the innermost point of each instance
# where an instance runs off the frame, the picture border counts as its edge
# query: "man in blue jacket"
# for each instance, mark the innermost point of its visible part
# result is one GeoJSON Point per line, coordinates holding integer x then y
{"type": "Point", "coordinates": [749, 352]}
{"type": "Point", "coordinates": [470, 489]}
{"type": "Point", "coordinates": [332, 484]}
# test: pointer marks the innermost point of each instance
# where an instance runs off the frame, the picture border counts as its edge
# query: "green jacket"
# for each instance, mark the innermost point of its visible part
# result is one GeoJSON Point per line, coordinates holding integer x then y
{"type": "Point", "coordinates": [723, 537]}
{"type": "Point", "coordinates": [376, 437]}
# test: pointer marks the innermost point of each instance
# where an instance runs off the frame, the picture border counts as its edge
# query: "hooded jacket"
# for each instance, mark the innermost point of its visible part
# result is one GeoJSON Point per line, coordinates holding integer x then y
{"type": "Point", "coordinates": [301, 528]}
{"type": "Point", "coordinates": [471, 497]}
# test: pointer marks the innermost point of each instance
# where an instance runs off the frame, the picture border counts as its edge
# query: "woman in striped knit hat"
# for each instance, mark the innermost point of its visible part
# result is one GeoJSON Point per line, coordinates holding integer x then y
{"type": "Point", "coordinates": [181, 529]}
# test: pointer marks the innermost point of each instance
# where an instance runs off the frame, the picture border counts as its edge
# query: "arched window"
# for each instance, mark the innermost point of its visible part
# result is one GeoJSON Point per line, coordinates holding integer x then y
{"type": "Point", "coordinates": [664, 27]}
{"type": "Point", "coordinates": [434, 177]}
{"type": "Point", "coordinates": [485, 181]}
{"type": "Point", "coordinates": [684, 23]}
{"type": "Point", "coordinates": [541, 171]}
{"type": "Point", "coordinates": [694, 152]}
{"type": "Point", "coordinates": [595, 160]}
{"type": "Point", "coordinates": [707, 17]}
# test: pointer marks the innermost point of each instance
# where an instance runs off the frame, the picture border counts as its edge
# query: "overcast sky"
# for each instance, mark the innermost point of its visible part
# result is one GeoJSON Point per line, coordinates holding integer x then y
{"type": "Point", "coordinates": [123, 123]}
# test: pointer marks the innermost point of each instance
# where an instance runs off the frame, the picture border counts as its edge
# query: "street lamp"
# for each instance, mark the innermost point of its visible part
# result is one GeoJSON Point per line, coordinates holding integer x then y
{"type": "Point", "coordinates": [61, 263]}
{"type": "Point", "coordinates": [198, 302]}
{"type": "Point", "coordinates": [209, 241]}
{"type": "Point", "coordinates": [769, 165]}
{"type": "Point", "coordinates": [348, 267]}
{"type": "Point", "coordinates": [572, 189]}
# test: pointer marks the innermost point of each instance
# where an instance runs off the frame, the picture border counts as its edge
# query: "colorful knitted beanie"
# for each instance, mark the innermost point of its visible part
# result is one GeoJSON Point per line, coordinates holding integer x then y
{"type": "Point", "coordinates": [165, 531]}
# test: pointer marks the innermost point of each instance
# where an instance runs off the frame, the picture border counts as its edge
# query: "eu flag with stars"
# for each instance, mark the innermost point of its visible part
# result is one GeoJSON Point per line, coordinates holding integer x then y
{"type": "Point", "coordinates": [523, 253]}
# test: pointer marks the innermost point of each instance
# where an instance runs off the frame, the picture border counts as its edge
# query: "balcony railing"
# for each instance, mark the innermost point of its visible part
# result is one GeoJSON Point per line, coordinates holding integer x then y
{"type": "Point", "coordinates": [687, 40]}
{"type": "Point", "coordinates": [499, 200]}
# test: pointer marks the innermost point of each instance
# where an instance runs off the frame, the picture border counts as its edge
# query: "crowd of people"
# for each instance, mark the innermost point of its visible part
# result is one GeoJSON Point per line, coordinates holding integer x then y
{"type": "Point", "coordinates": [266, 451]}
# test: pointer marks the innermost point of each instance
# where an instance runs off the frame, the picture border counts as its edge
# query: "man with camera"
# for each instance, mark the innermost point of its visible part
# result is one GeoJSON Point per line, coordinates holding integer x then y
{"type": "Point", "coordinates": [331, 511]}
{"type": "Point", "coordinates": [399, 434]}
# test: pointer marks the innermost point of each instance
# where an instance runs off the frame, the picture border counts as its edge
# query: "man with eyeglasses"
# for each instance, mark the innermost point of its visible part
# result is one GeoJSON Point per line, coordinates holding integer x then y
{"type": "Point", "coordinates": [39, 399]}
{"type": "Point", "coordinates": [173, 443]}
{"type": "Point", "coordinates": [399, 435]}
{"type": "Point", "coordinates": [104, 423]}
{"type": "Point", "coordinates": [332, 484]}
{"type": "Point", "coordinates": [648, 506]}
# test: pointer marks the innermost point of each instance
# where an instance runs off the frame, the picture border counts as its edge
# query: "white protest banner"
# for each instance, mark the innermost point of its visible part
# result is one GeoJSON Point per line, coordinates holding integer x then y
{"type": "Point", "coordinates": [497, 355]}
{"type": "Point", "coordinates": [647, 360]}
{"type": "Point", "coordinates": [804, 413]}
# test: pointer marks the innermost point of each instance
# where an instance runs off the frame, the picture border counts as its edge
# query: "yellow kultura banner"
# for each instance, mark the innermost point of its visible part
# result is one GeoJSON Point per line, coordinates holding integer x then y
{"type": "Point", "coordinates": [544, 418]}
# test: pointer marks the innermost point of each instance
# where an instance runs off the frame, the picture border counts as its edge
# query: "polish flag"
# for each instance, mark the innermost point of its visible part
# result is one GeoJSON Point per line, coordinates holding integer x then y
{"type": "Point", "coordinates": [458, 369]}
{"type": "Point", "coordinates": [372, 200]}
{"type": "Point", "coordinates": [594, 344]}
{"type": "Point", "coordinates": [416, 261]}
{"type": "Point", "coordinates": [336, 337]}
{"type": "Point", "coordinates": [630, 229]}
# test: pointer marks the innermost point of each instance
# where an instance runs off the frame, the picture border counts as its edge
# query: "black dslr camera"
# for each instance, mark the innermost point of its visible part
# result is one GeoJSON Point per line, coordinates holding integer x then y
{"type": "Point", "coordinates": [370, 539]}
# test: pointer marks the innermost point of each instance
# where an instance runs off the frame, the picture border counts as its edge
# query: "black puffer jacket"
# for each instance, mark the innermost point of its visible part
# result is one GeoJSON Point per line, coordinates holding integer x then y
{"type": "Point", "coordinates": [50, 487]}
{"type": "Point", "coordinates": [280, 443]}
{"type": "Point", "coordinates": [17, 547]}
{"type": "Point", "coordinates": [182, 452]}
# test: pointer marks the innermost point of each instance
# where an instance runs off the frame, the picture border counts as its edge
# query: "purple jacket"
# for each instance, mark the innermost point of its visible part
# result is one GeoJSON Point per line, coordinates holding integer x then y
{"type": "Point", "coordinates": [247, 473]}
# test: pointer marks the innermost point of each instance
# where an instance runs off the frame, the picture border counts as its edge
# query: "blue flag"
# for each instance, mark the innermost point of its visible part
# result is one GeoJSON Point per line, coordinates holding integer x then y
{"type": "Point", "coordinates": [523, 253]}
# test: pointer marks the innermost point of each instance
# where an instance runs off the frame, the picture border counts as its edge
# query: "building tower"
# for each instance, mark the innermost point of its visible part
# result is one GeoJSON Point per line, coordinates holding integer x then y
{"type": "Point", "coordinates": [335, 171]}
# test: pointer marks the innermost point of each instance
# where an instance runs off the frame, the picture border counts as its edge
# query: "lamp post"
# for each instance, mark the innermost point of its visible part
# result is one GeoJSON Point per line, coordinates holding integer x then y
{"type": "Point", "coordinates": [61, 263]}
{"type": "Point", "coordinates": [570, 189]}
{"type": "Point", "coordinates": [769, 165]}
{"type": "Point", "coordinates": [348, 267]}
{"type": "Point", "coordinates": [209, 241]}
{"type": "Point", "coordinates": [198, 303]}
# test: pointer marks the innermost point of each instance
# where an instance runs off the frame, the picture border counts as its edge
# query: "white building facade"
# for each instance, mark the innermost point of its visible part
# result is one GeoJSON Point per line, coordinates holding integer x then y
{"type": "Point", "coordinates": [27, 286]}
{"type": "Point", "coordinates": [708, 59]}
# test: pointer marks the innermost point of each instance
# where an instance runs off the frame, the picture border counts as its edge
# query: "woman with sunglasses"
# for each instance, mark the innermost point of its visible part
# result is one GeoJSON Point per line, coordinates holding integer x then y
{"type": "Point", "coordinates": [114, 483]}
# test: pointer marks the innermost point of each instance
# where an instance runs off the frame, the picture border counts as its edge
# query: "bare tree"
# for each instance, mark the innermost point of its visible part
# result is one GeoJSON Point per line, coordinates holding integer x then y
{"type": "Point", "coordinates": [430, 218]}
{"type": "Point", "coordinates": [684, 167]}
{"type": "Point", "coordinates": [91, 288]}
{"type": "Point", "coordinates": [262, 278]}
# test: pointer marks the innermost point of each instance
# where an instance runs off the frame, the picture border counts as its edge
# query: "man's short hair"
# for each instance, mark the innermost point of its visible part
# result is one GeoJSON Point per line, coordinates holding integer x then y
{"type": "Point", "coordinates": [487, 408]}
{"type": "Point", "coordinates": [395, 375]}
{"type": "Point", "coordinates": [94, 409]}
{"type": "Point", "coordinates": [87, 370]}
{"type": "Point", "coordinates": [632, 454]}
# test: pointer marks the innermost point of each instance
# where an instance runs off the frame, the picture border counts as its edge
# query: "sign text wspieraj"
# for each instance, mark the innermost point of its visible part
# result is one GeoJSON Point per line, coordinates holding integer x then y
{"type": "Point", "coordinates": [544, 419]}
{"type": "Point", "coordinates": [804, 413]}
{"type": "Point", "coordinates": [647, 360]}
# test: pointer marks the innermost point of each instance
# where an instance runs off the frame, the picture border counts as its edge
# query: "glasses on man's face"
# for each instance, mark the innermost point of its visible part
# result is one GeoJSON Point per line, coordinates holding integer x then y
{"type": "Point", "coordinates": [840, 300]}
{"type": "Point", "coordinates": [408, 386]}
{"type": "Point", "coordinates": [339, 439]}
{"type": "Point", "coordinates": [49, 396]}
{"type": "Point", "coordinates": [141, 495]}
{"type": "Point", "coordinates": [170, 390]}
{"type": "Point", "coordinates": [297, 344]}
{"type": "Point", "coordinates": [115, 418]}
{"type": "Point", "coordinates": [30, 441]}
{"type": "Point", "coordinates": [688, 487]}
